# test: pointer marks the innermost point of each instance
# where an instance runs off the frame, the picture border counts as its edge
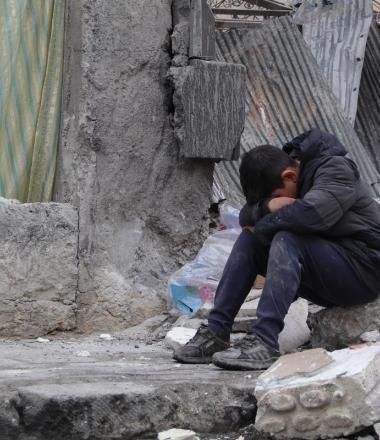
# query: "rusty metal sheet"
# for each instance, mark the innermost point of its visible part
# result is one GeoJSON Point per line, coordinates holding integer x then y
{"type": "Point", "coordinates": [336, 32]}
{"type": "Point", "coordinates": [286, 95]}
{"type": "Point", "coordinates": [367, 122]}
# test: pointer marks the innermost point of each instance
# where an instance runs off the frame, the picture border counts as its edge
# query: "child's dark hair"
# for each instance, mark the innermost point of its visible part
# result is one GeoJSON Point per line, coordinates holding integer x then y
{"type": "Point", "coordinates": [260, 171]}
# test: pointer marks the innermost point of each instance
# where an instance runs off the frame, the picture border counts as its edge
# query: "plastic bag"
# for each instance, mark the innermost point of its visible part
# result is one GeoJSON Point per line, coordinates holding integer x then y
{"type": "Point", "coordinates": [196, 282]}
{"type": "Point", "coordinates": [229, 216]}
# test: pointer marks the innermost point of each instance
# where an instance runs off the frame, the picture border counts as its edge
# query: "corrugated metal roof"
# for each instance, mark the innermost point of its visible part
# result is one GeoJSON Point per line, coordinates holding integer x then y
{"type": "Point", "coordinates": [367, 122]}
{"type": "Point", "coordinates": [336, 33]}
{"type": "Point", "coordinates": [286, 95]}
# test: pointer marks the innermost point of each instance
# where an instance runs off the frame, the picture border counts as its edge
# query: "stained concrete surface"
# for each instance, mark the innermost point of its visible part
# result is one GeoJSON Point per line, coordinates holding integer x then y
{"type": "Point", "coordinates": [124, 388]}
{"type": "Point", "coordinates": [143, 211]}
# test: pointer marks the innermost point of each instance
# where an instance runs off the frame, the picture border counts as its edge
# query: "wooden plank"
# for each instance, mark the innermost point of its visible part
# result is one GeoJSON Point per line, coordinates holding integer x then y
{"type": "Point", "coordinates": [250, 12]}
{"type": "Point", "coordinates": [269, 4]}
{"type": "Point", "coordinates": [235, 24]}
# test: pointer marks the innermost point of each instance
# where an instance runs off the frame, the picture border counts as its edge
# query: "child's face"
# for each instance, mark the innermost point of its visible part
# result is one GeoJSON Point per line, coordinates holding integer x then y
{"type": "Point", "coordinates": [290, 178]}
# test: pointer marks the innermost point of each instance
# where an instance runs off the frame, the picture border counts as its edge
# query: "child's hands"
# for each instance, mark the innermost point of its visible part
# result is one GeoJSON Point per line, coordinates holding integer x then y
{"type": "Point", "coordinates": [279, 202]}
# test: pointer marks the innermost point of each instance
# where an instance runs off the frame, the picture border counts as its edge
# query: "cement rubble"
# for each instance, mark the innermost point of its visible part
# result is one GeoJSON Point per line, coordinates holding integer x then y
{"type": "Point", "coordinates": [339, 327]}
{"type": "Point", "coordinates": [316, 394]}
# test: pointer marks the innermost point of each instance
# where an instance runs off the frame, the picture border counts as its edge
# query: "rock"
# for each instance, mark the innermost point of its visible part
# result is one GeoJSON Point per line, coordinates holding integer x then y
{"type": "Point", "coordinates": [339, 327]}
{"type": "Point", "coordinates": [373, 336]}
{"type": "Point", "coordinates": [143, 209]}
{"type": "Point", "coordinates": [177, 434]}
{"type": "Point", "coordinates": [376, 427]}
{"type": "Point", "coordinates": [296, 331]}
{"type": "Point", "coordinates": [39, 268]}
{"type": "Point", "coordinates": [315, 394]}
{"type": "Point", "coordinates": [179, 336]}
{"type": "Point", "coordinates": [209, 101]}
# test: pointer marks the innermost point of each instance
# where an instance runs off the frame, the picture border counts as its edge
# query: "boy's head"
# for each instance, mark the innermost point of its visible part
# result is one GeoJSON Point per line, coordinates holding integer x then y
{"type": "Point", "coordinates": [266, 171]}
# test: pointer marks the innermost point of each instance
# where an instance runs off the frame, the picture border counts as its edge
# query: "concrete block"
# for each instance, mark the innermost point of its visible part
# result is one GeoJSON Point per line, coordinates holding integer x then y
{"type": "Point", "coordinates": [315, 394]}
{"type": "Point", "coordinates": [177, 434]}
{"type": "Point", "coordinates": [296, 331]}
{"type": "Point", "coordinates": [202, 31]}
{"type": "Point", "coordinates": [209, 101]}
{"type": "Point", "coordinates": [339, 327]}
{"type": "Point", "coordinates": [39, 268]}
{"type": "Point", "coordinates": [179, 336]}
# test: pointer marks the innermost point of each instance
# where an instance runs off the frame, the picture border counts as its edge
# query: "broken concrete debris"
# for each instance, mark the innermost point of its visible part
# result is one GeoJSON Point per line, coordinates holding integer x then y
{"type": "Point", "coordinates": [179, 336]}
{"type": "Point", "coordinates": [177, 434]}
{"type": "Point", "coordinates": [315, 394]}
{"type": "Point", "coordinates": [339, 327]}
{"type": "Point", "coordinates": [294, 334]}
{"type": "Point", "coordinates": [209, 101]}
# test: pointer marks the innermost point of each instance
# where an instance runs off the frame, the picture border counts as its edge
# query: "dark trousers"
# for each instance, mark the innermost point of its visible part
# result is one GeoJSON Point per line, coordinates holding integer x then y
{"type": "Point", "coordinates": [294, 266]}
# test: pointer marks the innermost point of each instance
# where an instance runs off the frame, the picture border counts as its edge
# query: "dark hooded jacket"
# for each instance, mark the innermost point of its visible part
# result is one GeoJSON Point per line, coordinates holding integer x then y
{"type": "Point", "coordinates": [332, 202]}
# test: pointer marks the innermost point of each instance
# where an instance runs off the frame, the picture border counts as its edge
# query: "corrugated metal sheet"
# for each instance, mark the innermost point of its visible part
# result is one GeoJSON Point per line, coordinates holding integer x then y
{"type": "Point", "coordinates": [376, 5]}
{"type": "Point", "coordinates": [336, 33]}
{"type": "Point", "coordinates": [368, 116]}
{"type": "Point", "coordinates": [286, 95]}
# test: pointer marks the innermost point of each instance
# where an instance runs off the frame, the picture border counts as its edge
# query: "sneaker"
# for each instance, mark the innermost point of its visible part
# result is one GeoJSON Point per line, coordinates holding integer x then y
{"type": "Point", "coordinates": [200, 348]}
{"type": "Point", "coordinates": [250, 353]}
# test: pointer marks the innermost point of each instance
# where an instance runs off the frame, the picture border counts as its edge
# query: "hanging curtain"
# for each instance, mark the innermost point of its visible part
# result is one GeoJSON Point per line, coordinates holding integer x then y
{"type": "Point", "coordinates": [31, 62]}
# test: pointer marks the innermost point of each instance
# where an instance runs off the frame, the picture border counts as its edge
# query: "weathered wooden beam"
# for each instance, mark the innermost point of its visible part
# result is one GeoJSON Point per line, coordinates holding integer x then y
{"type": "Point", "coordinates": [250, 12]}
{"type": "Point", "coordinates": [269, 4]}
{"type": "Point", "coordinates": [235, 24]}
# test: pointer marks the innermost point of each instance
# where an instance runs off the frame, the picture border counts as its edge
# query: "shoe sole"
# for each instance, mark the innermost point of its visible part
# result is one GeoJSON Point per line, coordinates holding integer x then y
{"type": "Point", "coordinates": [244, 365]}
{"type": "Point", "coordinates": [192, 360]}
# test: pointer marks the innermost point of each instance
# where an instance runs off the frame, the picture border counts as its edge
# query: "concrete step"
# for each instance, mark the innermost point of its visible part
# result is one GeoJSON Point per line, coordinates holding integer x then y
{"type": "Point", "coordinates": [91, 388]}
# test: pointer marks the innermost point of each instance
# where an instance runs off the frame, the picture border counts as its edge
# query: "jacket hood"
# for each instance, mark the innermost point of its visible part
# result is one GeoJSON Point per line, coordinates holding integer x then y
{"type": "Point", "coordinates": [314, 144]}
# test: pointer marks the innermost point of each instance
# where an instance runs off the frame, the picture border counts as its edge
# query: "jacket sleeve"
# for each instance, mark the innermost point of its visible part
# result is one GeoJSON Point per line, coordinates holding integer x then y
{"type": "Point", "coordinates": [251, 214]}
{"type": "Point", "coordinates": [333, 192]}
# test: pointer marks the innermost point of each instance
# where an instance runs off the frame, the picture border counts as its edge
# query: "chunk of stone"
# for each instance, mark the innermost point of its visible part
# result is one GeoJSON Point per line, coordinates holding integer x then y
{"type": "Point", "coordinates": [179, 336]}
{"type": "Point", "coordinates": [376, 427]}
{"type": "Point", "coordinates": [373, 336]}
{"type": "Point", "coordinates": [315, 394]}
{"type": "Point", "coordinates": [339, 327]}
{"type": "Point", "coordinates": [209, 101]}
{"type": "Point", "coordinates": [39, 268]}
{"type": "Point", "coordinates": [177, 434]}
{"type": "Point", "coordinates": [296, 331]}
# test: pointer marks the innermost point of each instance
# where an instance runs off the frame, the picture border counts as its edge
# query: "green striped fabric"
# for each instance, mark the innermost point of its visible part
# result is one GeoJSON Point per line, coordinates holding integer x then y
{"type": "Point", "coordinates": [31, 60]}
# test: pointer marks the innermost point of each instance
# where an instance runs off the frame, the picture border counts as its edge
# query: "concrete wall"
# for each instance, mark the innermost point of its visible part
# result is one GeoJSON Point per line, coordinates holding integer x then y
{"type": "Point", "coordinates": [142, 209]}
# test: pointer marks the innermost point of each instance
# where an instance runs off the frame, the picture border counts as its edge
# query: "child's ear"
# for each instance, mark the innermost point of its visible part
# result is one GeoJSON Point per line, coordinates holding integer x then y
{"type": "Point", "coordinates": [290, 174]}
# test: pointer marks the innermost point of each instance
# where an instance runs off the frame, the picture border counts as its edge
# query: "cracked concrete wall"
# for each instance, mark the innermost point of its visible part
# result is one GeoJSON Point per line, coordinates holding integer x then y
{"type": "Point", "coordinates": [142, 209]}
